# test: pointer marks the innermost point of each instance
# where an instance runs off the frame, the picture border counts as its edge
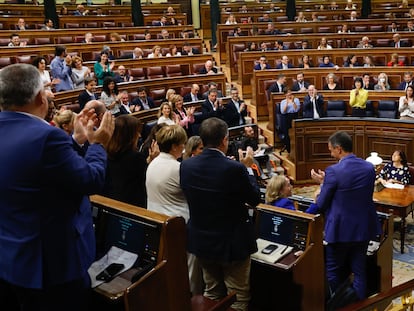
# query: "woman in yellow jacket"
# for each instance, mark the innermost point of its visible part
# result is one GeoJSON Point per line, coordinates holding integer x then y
{"type": "Point", "coordinates": [358, 99]}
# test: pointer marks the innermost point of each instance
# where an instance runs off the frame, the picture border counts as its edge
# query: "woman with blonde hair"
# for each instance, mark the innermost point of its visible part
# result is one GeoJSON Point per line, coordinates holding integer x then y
{"type": "Point", "coordinates": [382, 84]}
{"type": "Point", "coordinates": [184, 117]}
{"type": "Point", "coordinates": [79, 72]}
{"type": "Point", "coordinates": [278, 191]}
{"type": "Point", "coordinates": [64, 119]}
{"type": "Point", "coordinates": [193, 147]}
{"type": "Point", "coordinates": [166, 115]}
{"type": "Point", "coordinates": [156, 52]}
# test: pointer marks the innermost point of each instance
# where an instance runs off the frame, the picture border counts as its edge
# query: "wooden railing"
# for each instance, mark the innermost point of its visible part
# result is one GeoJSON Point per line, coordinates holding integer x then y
{"type": "Point", "coordinates": [31, 10]}
{"type": "Point", "coordinates": [316, 76]}
{"type": "Point", "coordinates": [379, 40]}
{"type": "Point", "coordinates": [71, 97]}
{"type": "Point", "coordinates": [102, 21]}
{"type": "Point", "coordinates": [398, 298]}
{"type": "Point", "coordinates": [86, 51]}
{"type": "Point", "coordinates": [76, 35]}
{"type": "Point", "coordinates": [247, 60]}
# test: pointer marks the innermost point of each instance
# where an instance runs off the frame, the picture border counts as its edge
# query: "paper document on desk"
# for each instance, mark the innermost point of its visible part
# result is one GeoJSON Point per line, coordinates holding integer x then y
{"type": "Point", "coordinates": [280, 252]}
{"type": "Point", "coordinates": [114, 255]}
{"type": "Point", "coordinates": [394, 186]}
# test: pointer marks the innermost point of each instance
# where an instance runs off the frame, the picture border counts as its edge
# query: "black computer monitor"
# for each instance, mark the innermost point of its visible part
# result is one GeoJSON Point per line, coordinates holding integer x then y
{"type": "Point", "coordinates": [133, 234]}
{"type": "Point", "coordinates": [283, 229]}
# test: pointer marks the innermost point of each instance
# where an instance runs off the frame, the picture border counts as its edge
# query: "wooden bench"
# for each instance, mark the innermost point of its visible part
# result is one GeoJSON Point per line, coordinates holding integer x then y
{"type": "Point", "coordinates": [76, 35]}
{"type": "Point", "coordinates": [248, 59]}
{"type": "Point", "coordinates": [90, 51]}
{"type": "Point", "coordinates": [309, 140]}
{"type": "Point", "coordinates": [80, 21]}
{"type": "Point", "coordinates": [310, 28]}
{"type": "Point", "coordinates": [31, 10]}
{"type": "Point", "coordinates": [71, 97]}
{"type": "Point", "coordinates": [264, 78]}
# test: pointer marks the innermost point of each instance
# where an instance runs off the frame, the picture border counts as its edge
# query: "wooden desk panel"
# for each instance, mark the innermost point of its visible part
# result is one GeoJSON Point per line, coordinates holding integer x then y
{"type": "Point", "coordinates": [317, 76]}
{"type": "Point", "coordinates": [330, 29]}
{"type": "Point", "coordinates": [399, 202]}
{"type": "Point", "coordinates": [81, 49]}
{"type": "Point", "coordinates": [247, 61]}
{"type": "Point", "coordinates": [309, 140]}
{"type": "Point", "coordinates": [74, 33]}
{"type": "Point", "coordinates": [9, 21]}
{"type": "Point", "coordinates": [71, 97]}
{"type": "Point", "coordinates": [31, 10]}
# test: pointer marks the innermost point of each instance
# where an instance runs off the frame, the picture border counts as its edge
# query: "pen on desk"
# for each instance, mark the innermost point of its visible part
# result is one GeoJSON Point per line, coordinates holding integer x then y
{"type": "Point", "coordinates": [284, 250]}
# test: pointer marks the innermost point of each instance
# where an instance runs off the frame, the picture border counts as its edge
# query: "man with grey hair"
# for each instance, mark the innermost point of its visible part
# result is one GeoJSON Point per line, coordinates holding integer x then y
{"type": "Point", "coordinates": [47, 240]}
{"type": "Point", "coordinates": [364, 44]}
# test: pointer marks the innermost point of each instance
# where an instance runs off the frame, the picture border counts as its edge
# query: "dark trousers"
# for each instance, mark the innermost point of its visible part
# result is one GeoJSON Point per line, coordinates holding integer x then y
{"type": "Point", "coordinates": [342, 259]}
{"type": "Point", "coordinates": [358, 112]}
{"type": "Point", "coordinates": [68, 296]}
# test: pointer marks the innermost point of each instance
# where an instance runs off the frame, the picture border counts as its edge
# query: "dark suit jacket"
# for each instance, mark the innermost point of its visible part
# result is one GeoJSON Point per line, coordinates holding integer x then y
{"type": "Point", "coordinates": [232, 116]}
{"type": "Point", "coordinates": [204, 70]}
{"type": "Point", "coordinates": [84, 97]}
{"type": "Point", "coordinates": [274, 88]}
{"type": "Point", "coordinates": [257, 67]}
{"type": "Point", "coordinates": [125, 178]}
{"type": "Point", "coordinates": [308, 107]}
{"type": "Point", "coordinates": [207, 111]}
{"type": "Point", "coordinates": [403, 85]}
{"type": "Point", "coordinates": [47, 235]}
{"type": "Point", "coordinates": [370, 86]}
{"type": "Point", "coordinates": [346, 200]}
{"type": "Point", "coordinates": [187, 97]}
{"type": "Point", "coordinates": [219, 94]}
{"type": "Point", "coordinates": [137, 101]}
{"type": "Point", "coordinates": [217, 189]}
{"type": "Point", "coordinates": [296, 87]}
{"type": "Point", "coordinates": [193, 50]}
{"type": "Point", "coordinates": [403, 44]}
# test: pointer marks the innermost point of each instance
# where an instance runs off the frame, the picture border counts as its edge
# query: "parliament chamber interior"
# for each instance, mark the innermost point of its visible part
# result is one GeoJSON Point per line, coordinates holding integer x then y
{"type": "Point", "coordinates": [290, 276]}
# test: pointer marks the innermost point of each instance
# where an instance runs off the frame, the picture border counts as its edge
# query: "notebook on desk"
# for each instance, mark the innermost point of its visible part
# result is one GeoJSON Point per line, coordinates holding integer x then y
{"type": "Point", "coordinates": [280, 251]}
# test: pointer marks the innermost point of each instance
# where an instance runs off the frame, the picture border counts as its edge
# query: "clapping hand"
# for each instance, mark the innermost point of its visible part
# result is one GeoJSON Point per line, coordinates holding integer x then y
{"type": "Point", "coordinates": [247, 157]}
{"type": "Point", "coordinates": [318, 176]}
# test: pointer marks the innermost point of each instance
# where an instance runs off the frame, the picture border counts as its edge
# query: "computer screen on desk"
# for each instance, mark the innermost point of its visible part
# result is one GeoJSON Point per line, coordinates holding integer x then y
{"type": "Point", "coordinates": [283, 229]}
{"type": "Point", "coordinates": [132, 234]}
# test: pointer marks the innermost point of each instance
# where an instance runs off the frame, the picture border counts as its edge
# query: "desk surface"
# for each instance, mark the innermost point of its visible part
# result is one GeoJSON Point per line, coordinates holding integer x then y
{"type": "Point", "coordinates": [395, 197]}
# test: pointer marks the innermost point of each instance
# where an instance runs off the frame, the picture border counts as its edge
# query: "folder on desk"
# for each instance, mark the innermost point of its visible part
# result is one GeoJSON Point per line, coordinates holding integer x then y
{"type": "Point", "coordinates": [280, 252]}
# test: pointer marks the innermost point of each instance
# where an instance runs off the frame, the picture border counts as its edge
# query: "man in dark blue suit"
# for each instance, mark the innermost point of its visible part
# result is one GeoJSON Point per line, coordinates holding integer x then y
{"type": "Point", "coordinates": [220, 231]}
{"type": "Point", "coordinates": [212, 106]}
{"type": "Point", "coordinates": [313, 105]}
{"type": "Point", "coordinates": [143, 101]}
{"type": "Point", "coordinates": [350, 216]}
{"type": "Point", "coordinates": [284, 63]}
{"type": "Point", "coordinates": [408, 80]}
{"type": "Point", "coordinates": [235, 110]}
{"type": "Point", "coordinates": [88, 93]}
{"type": "Point", "coordinates": [47, 241]}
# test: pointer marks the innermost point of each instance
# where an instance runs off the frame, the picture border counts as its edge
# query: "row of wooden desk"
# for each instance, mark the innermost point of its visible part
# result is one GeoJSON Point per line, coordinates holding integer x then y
{"type": "Point", "coordinates": [265, 102]}
{"type": "Point", "coordinates": [294, 282]}
{"type": "Point", "coordinates": [23, 9]}
{"type": "Point", "coordinates": [77, 35]}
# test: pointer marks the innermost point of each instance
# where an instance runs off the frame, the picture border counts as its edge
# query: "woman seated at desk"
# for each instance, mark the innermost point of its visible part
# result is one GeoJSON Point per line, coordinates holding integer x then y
{"type": "Point", "coordinates": [277, 192]}
{"type": "Point", "coordinates": [397, 171]}
{"type": "Point", "coordinates": [331, 83]}
{"type": "Point", "coordinates": [406, 104]}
